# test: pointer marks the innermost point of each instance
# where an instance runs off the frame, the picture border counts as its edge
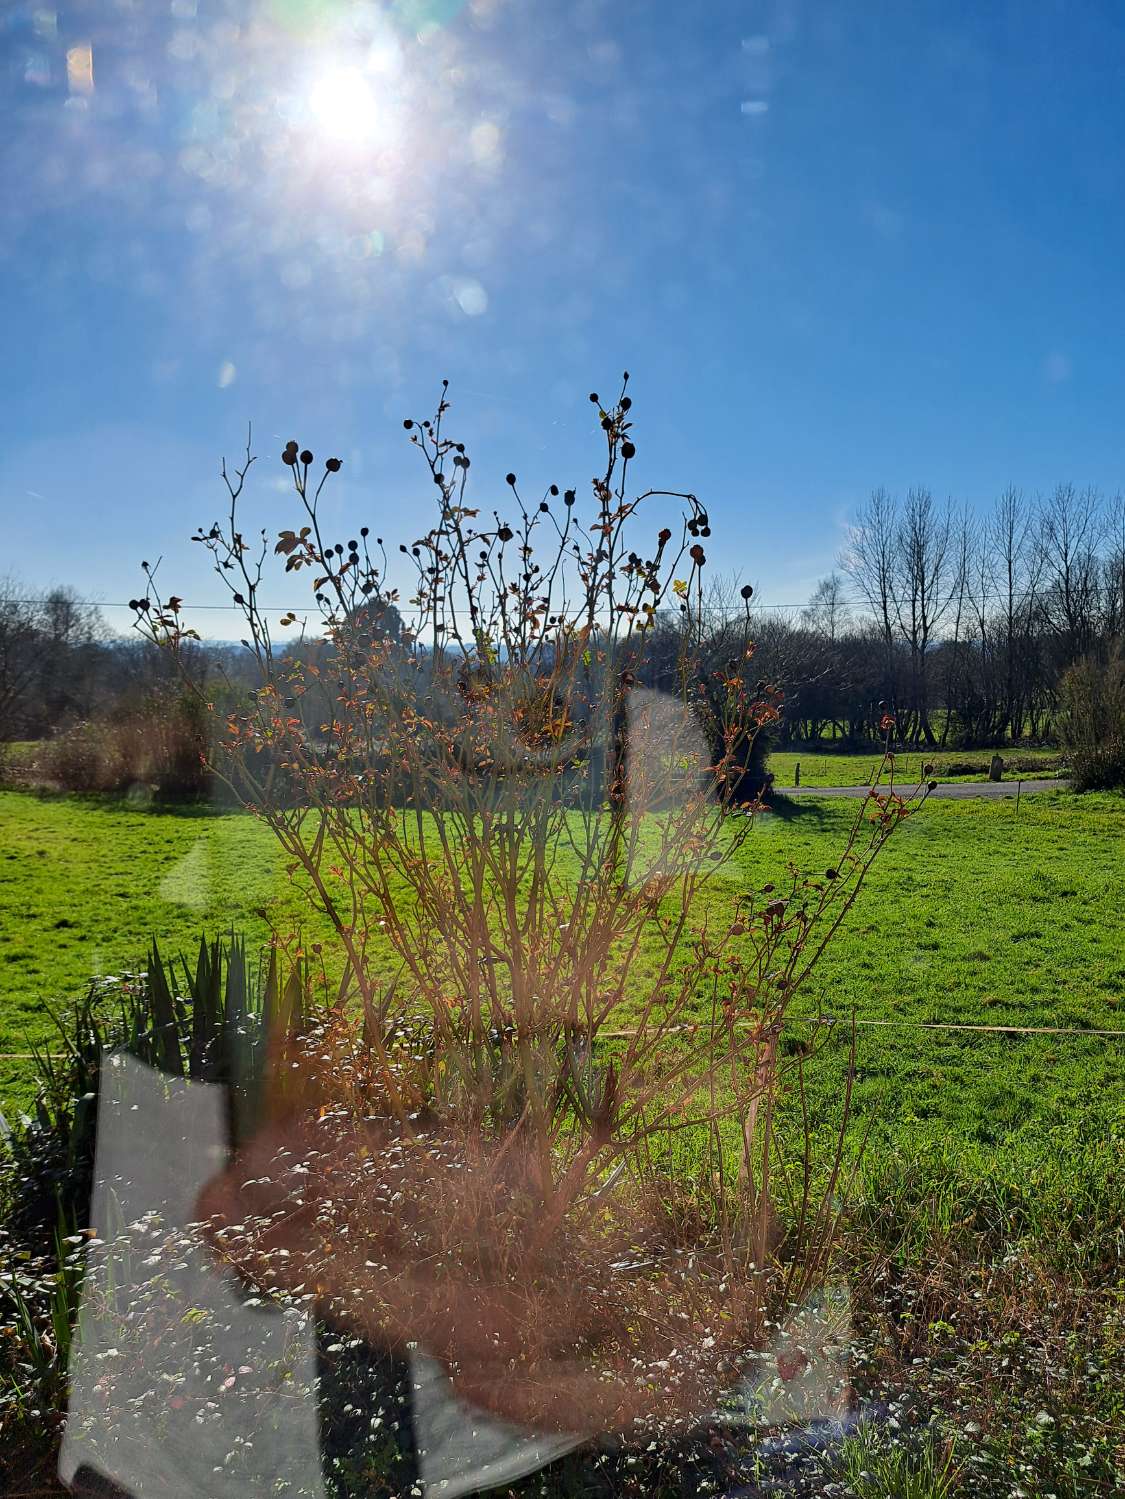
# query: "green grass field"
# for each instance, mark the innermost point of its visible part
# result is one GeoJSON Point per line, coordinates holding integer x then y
{"type": "Point", "coordinates": [976, 914]}
{"type": "Point", "coordinates": [824, 767]}
{"type": "Point", "coordinates": [984, 1230]}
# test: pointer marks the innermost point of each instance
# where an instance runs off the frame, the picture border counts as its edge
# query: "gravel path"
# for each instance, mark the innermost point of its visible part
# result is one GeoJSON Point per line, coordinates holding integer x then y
{"type": "Point", "coordinates": [989, 790]}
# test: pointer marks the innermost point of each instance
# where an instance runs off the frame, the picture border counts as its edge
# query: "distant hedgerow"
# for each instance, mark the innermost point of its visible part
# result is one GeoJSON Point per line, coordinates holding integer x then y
{"type": "Point", "coordinates": [1093, 721]}
{"type": "Point", "coordinates": [162, 746]}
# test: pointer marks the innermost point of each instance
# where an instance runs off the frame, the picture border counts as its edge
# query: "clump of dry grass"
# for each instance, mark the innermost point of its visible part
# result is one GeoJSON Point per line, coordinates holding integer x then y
{"type": "Point", "coordinates": [160, 746]}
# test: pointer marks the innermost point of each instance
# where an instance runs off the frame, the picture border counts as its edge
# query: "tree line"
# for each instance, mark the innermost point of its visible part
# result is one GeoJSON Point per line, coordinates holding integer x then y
{"type": "Point", "coordinates": [61, 664]}
{"type": "Point", "coordinates": [960, 625]}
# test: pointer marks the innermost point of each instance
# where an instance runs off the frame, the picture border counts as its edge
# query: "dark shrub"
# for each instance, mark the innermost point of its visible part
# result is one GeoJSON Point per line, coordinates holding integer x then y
{"type": "Point", "coordinates": [1093, 721]}
{"type": "Point", "coordinates": [160, 745]}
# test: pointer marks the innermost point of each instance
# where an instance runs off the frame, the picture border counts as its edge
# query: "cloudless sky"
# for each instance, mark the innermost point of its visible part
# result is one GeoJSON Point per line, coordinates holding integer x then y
{"type": "Point", "coordinates": [836, 245]}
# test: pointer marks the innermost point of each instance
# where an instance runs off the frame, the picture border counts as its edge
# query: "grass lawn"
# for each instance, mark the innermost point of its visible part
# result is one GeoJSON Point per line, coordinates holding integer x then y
{"type": "Point", "coordinates": [975, 914]}
{"type": "Point", "coordinates": [984, 1235]}
{"type": "Point", "coordinates": [84, 885]}
{"type": "Point", "coordinates": [823, 767]}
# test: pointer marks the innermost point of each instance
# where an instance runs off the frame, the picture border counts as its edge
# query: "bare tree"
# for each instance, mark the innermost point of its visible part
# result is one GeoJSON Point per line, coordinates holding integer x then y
{"type": "Point", "coordinates": [1015, 571]}
{"type": "Point", "coordinates": [960, 673]}
{"type": "Point", "coordinates": [828, 609]}
{"type": "Point", "coordinates": [869, 560]}
{"type": "Point", "coordinates": [18, 668]}
{"type": "Point", "coordinates": [927, 582]}
{"type": "Point", "coordinates": [69, 633]}
{"type": "Point", "coordinates": [1113, 571]}
{"type": "Point", "coordinates": [1070, 532]}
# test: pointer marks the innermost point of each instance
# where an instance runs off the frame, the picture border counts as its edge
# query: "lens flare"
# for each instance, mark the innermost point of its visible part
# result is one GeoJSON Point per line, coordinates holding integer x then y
{"type": "Point", "coordinates": [343, 106]}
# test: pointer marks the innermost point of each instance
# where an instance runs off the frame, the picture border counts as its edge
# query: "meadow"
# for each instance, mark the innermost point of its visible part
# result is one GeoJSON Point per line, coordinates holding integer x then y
{"type": "Point", "coordinates": [976, 914]}
{"type": "Point", "coordinates": [825, 766]}
{"type": "Point", "coordinates": [984, 1236]}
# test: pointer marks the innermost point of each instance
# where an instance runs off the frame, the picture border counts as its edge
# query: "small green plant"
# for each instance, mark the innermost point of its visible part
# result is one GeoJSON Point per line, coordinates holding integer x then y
{"type": "Point", "coordinates": [42, 1309]}
{"type": "Point", "coordinates": [881, 1465]}
{"type": "Point", "coordinates": [204, 1019]}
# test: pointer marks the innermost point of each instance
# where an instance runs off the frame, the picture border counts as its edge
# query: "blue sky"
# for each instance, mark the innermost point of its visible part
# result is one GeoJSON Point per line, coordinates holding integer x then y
{"type": "Point", "coordinates": [836, 246]}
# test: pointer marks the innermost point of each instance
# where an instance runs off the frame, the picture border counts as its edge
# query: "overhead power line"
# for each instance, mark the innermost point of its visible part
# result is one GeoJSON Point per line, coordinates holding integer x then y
{"type": "Point", "coordinates": [1092, 590]}
{"type": "Point", "coordinates": [298, 608]}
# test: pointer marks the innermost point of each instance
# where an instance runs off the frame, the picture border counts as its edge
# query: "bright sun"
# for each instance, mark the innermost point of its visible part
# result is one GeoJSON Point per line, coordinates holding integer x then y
{"type": "Point", "coordinates": [344, 106]}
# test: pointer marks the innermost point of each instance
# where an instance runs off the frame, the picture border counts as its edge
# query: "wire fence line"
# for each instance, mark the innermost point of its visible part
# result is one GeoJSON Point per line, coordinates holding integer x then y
{"type": "Point", "coordinates": [830, 1021]}
{"type": "Point", "coordinates": [845, 1022]}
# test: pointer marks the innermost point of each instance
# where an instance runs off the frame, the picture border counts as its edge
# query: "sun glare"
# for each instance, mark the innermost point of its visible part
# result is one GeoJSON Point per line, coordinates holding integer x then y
{"type": "Point", "coordinates": [344, 107]}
